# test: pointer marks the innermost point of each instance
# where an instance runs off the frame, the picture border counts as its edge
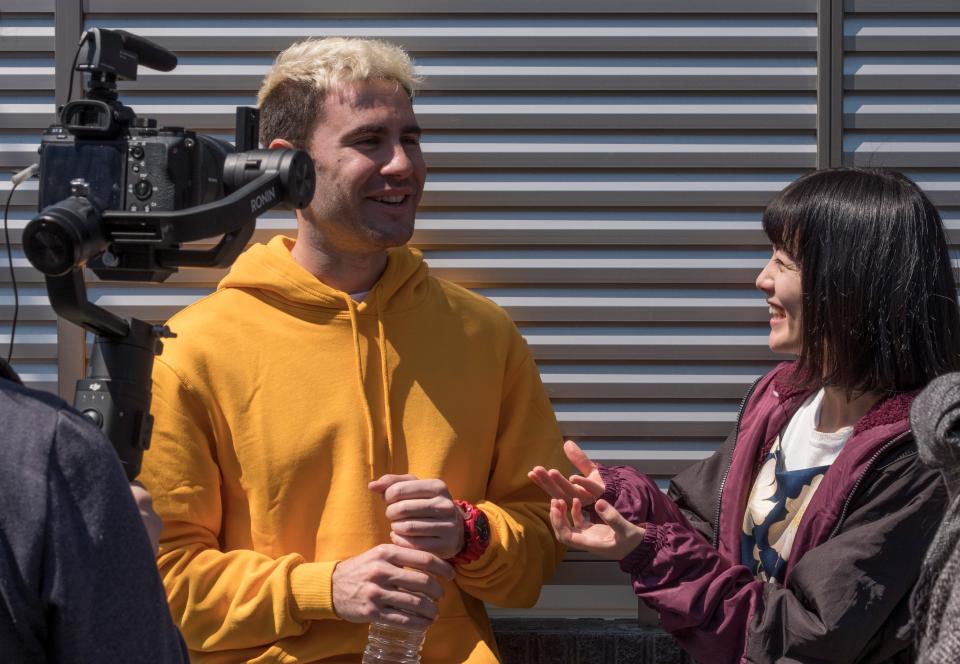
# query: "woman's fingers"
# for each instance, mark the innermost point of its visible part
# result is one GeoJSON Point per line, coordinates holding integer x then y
{"type": "Point", "coordinates": [587, 486]}
{"type": "Point", "coordinates": [576, 512]}
{"type": "Point", "coordinates": [578, 458]}
{"type": "Point", "coordinates": [554, 483]}
{"type": "Point", "coordinates": [558, 519]}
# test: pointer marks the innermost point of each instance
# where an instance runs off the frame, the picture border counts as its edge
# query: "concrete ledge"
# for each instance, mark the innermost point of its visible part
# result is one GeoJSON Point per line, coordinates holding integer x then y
{"type": "Point", "coordinates": [584, 641]}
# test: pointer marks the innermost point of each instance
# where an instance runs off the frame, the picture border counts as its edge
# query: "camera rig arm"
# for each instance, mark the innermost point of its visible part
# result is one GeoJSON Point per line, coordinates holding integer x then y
{"type": "Point", "coordinates": [64, 237]}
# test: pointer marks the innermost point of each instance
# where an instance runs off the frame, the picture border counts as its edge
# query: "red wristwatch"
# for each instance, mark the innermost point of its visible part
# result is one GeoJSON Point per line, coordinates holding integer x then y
{"type": "Point", "coordinates": [476, 534]}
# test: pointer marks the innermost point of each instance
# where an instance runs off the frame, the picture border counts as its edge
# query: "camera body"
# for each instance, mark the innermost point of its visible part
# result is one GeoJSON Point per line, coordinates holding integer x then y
{"type": "Point", "coordinates": [146, 169]}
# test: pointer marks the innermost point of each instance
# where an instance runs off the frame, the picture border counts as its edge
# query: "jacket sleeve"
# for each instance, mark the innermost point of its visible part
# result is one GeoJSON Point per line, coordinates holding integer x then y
{"type": "Point", "coordinates": [835, 602]}
{"type": "Point", "coordinates": [221, 600]}
{"type": "Point", "coordinates": [103, 598]}
{"type": "Point", "coordinates": [523, 552]}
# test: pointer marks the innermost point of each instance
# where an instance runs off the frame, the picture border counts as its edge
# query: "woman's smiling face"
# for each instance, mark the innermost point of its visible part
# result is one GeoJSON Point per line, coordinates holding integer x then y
{"type": "Point", "coordinates": [780, 282]}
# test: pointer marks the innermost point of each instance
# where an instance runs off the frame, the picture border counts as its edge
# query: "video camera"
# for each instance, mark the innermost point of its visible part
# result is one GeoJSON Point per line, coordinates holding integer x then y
{"type": "Point", "coordinates": [120, 195]}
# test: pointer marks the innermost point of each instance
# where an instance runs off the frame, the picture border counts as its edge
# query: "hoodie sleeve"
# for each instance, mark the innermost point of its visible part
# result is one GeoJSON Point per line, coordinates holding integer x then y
{"type": "Point", "coordinates": [220, 600]}
{"type": "Point", "coordinates": [839, 603]}
{"type": "Point", "coordinates": [523, 552]}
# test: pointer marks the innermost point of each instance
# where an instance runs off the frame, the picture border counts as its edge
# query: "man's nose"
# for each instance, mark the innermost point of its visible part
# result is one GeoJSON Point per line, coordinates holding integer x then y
{"type": "Point", "coordinates": [399, 163]}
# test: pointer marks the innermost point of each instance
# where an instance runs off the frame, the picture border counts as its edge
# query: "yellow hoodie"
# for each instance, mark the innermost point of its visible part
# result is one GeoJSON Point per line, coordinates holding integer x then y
{"type": "Point", "coordinates": [276, 403]}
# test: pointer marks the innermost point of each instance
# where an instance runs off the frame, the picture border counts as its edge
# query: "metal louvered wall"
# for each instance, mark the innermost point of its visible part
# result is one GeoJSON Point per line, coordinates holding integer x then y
{"type": "Point", "coordinates": [27, 105]}
{"type": "Point", "coordinates": [901, 106]}
{"type": "Point", "coordinates": [599, 172]}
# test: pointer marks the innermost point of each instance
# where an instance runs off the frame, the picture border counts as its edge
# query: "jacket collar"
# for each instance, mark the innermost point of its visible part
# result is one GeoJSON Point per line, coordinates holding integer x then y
{"type": "Point", "coordinates": [888, 410]}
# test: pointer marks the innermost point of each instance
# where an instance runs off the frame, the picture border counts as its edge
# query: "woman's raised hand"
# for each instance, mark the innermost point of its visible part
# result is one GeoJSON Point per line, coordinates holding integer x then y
{"type": "Point", "coordinates": [587, 487]}
{"type": "Point", "coordinates": [613, 539]}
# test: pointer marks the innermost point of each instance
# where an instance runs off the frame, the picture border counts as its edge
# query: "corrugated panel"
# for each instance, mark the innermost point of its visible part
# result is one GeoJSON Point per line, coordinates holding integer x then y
{"type": "Point", "coordinates": [26, 107]}
{"type": "Point", "coordinates": [599, 173]}
{"type": "Point", "coordinates": [902, 93]}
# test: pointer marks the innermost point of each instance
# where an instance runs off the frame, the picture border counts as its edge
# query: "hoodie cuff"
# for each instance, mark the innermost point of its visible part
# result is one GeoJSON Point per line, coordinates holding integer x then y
{"type": "Point", "coordinates": [311, 586]}
{"type": "Point", "coordinates": [638, 559]}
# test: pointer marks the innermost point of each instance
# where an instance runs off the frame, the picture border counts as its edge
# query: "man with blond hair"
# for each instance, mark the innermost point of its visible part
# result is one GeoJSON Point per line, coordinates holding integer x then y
{"type": "Point", "coordinates": [341, 438]}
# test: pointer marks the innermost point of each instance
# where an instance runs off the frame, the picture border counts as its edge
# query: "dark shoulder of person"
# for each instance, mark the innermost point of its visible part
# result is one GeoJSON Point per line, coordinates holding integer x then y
{"type": "Point", "coordinates": [78, 580]}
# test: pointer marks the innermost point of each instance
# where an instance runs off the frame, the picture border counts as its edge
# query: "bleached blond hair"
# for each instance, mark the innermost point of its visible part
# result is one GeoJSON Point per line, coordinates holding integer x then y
{"type": "Point", "coordinates": [292, 94]}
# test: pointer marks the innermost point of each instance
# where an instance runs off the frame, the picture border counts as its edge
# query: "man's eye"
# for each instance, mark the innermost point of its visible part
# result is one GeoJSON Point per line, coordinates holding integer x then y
{"type": "Point", "coordinates": [411, 140]}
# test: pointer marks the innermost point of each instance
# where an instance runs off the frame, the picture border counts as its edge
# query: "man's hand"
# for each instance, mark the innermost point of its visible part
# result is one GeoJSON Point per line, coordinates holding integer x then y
{"type": "Point", "coordinates": [586, 487]}
{"type": "Point", "coordinates": [422, 514]}
{"type": "Point", "coordinates": [389, 584]}
{"type": "Point", "coordinates": [151, 522]}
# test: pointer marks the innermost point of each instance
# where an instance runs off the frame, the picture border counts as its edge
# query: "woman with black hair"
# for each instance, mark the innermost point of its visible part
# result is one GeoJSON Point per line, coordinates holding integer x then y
{"type": "Point", "coordinates": [801, 537]}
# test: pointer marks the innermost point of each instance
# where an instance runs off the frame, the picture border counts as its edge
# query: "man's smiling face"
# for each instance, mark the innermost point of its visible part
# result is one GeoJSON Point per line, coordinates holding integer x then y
{"type": "Point", "coordinates": [370, 168]}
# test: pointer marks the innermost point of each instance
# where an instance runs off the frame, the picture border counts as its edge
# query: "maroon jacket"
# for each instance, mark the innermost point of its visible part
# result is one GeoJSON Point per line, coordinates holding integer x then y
{"type": "Point", "coordinates": [855, 557]}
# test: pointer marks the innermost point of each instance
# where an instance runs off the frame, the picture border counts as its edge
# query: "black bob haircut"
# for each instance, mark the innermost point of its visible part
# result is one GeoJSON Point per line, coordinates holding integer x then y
{"type": "Point", "coordinates": [879, 306]}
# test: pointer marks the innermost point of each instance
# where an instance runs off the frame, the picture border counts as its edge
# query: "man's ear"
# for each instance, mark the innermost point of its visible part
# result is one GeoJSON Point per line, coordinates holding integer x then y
{"type": "Point", "coordinates": [281, 144]}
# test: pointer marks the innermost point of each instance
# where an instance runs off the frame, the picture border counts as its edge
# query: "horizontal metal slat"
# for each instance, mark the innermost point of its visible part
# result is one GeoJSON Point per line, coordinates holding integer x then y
{"type": "Point", "coordinates": [635, 309]}
{"type": "Point", "coordinates": [435, 34]}
{"type": "Point", "coordinates": [28, 6]}
{"type": "Point", "coordinates": [31, 342]}
{"type": "Point", "coordinates": [902, 72]}
{"type": "Point", "coordinates": [26, 39]}
{"type": "Point", "coordinates": [34, 305]}
{"type": "Point", "coordinates": [391, 8]}
{"type": "Point", "coordinates": [900, 7]}
{"type": "Point", "coordinates": [623, 151]}
{"type": "Point", "coordinates": [613, 189]}
{"type": "Point", "coordinates": [524, 74]}
{"type": "Point", "coordinates": [17, 155]}
{"type": "Point", "coordinates": [624, 112]}
{"type": "Point", "coordinates": [592, 228]}
{"type": "Point", "coordinates": [902, 151]}
{"type": "Point", "coordinates": [902, 34]}
{"type": "Point", "coordinates": [593, 381]}
{"type": "Point", "coordinates": [660, 457]}
{"type": "Point", "coordinates": [644, 419]}
{"type": "Point", "coordinates": [25, 194]}
{"type": "Point", "coordinates": [19, 116]}
{"type": "Point", "coordinates": [906, 112]}
{"type": "Point", "coordinates": [649, 346]}
{"type": "Point", "coordinates": [497, 270]}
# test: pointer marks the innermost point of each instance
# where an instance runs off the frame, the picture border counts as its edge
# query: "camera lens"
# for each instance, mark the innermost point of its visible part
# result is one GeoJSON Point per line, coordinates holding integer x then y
{"type": "Point", "coordinates": [63, 236]}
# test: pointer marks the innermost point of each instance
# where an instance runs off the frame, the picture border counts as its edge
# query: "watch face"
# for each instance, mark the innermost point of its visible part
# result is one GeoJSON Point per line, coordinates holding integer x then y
{"type": "Point", "coordinates": [483, 527]}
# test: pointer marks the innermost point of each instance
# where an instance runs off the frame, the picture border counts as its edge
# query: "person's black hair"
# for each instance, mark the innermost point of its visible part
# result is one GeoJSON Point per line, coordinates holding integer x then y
{"type": "Point", "coordinates": [879, 307]}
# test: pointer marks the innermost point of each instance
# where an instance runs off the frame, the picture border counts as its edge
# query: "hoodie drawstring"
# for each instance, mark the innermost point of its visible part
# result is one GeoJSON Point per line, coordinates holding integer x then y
{"type": "Point", "coordinates": [352, 309]}
{"type": "Point", "coordinates": [384, 380]}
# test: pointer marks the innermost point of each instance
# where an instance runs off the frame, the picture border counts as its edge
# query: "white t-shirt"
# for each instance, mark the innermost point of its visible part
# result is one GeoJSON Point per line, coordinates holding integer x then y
{"type": "Point", "coordinates": [787, 480]}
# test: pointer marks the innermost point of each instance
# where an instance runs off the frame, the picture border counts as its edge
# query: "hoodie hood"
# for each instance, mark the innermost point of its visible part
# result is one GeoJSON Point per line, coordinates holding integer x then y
{"type": "Point", "coordinates": [271, 269]}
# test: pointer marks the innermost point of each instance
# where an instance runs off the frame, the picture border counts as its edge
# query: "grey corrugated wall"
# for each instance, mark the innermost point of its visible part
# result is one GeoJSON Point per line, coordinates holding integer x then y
{"type": "Point", "coordinates": [599, 172]}
{"type": "Point", "coordinates": [27, 105]}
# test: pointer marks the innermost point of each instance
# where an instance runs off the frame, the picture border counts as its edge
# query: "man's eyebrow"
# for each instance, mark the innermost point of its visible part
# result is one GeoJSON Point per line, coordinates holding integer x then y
{"type": "Point", "coordinates": [380, 129]}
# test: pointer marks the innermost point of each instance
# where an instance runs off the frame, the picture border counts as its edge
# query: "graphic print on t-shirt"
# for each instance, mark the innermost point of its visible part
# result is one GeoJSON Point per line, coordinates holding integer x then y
{"type": "Point", "coordinates": [774, 511]}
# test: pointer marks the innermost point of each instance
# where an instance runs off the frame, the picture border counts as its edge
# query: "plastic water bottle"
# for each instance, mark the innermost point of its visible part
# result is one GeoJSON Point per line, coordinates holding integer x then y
{"type": "Point", "coordinates": [390, 644]}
